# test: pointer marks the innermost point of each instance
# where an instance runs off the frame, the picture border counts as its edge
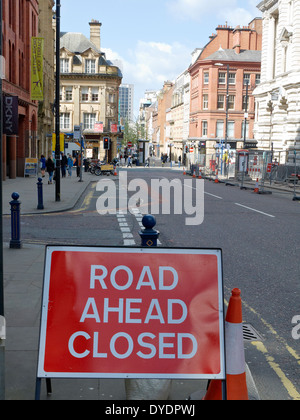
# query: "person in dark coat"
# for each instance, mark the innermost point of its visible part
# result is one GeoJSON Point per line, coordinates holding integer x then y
{"type": "Point", "coordinates": [50, 168]}
{"type": "Point", "coordinates": [64, 164]}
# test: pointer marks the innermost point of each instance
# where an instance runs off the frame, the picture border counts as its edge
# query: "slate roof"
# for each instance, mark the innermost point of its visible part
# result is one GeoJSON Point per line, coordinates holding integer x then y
{"type": "Point", "coordinates": [76, 43]}
{"type": "Point", "coordinates": [231, 55]}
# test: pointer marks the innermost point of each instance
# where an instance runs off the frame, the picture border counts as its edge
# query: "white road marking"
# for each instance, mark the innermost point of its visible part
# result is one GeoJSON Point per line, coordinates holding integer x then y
{"type": "Point", "coordinates": [257, 211]}
{"type": "Point", "coordinates": [216, 196]}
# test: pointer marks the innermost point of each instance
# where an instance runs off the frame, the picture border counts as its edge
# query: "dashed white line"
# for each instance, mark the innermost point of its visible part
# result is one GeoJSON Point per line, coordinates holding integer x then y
{"type": "Point", "coordinates": [213, 195]}
{"type": "Point", "coordinates": [257, 211]}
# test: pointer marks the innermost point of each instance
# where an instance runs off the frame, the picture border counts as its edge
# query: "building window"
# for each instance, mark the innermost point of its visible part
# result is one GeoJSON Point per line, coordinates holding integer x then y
{"type": "Point", "coordinates": [206, 78]}
{"type": "Point", "coordinates": [95, 94]}
{"type": "Point", "coordinates": [220, 101]}
{"type": "Point", "coordinates": [90, 66]}
{"type": "Point", "coordinates": [222, 78]}
{"type": "Point", "coordinates": [230, 130]}
{"type": "Point", "coordinates": [205, 101]}
{"type": "Point", "coordinates": [220, 129]}
{"type": "Point", "coordinates": [247, 129]}
{"type": "Point", "coordinates": [204, 128]}
{"type": "Point", "coordinates": [69, 93]}
{"type": "Point", "coordinates": [246, 78]}
{"type": "Point", "coordinates": [64, 65]}
{"type": "Point", "coordinates": [231, 102]}
{"type": "Point", "coordinates": [231, 79]}
{"type": "Point", "coordinates": [89, 121]}
{"type": "Point", "coordinates": [257, 79]}
{"type": "Point", "coordinates": [84, 94]}
{"type": "Point", "coordinates": [65, 121]}
{"type": "Point", "coordinates": [245, 105]}
{"type": "Point", "coordinates": [111, 98]}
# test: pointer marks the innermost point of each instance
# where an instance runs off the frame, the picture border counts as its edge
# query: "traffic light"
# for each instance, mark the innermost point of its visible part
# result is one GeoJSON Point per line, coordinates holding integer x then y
{"type": "Point", "coordinates": [106, 143]}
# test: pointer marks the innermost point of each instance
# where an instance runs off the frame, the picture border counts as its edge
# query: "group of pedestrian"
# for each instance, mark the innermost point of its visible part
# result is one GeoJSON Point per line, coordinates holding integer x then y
{"type": "Point", "coordinates": [66, 163]}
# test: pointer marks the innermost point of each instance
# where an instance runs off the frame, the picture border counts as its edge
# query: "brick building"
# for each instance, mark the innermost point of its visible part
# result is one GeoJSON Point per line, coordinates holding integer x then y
{"type": "Point", "coordinates": [20, 23]}
{"type": "Point", "coordinates": [161, 119]}
{"type": "Point", "coordinates": [230, 60]}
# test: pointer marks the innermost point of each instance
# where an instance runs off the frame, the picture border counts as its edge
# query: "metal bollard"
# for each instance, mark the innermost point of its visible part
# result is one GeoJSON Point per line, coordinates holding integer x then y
{"type": "Point", "coordinates": [39, 184]}
{"type": "Point", "coordinates": [149, 236]}
{"type": "Point", "coordinates": [148, 389]}
{"type": "Point", "coordinates": [15, 207]}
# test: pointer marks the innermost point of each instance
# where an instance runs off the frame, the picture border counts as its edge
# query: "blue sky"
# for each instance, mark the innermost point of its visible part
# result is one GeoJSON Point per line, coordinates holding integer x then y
{"type": "Point", "coordinates": [154, 39]}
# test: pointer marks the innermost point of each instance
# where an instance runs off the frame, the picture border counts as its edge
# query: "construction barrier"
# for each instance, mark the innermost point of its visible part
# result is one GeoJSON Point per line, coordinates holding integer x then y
{"type": "Point", "coordinates": [235, 355]}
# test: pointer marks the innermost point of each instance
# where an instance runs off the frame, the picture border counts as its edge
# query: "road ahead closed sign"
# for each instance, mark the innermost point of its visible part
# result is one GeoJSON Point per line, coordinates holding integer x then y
{"type": "Point", "coordinates": [132, 313]}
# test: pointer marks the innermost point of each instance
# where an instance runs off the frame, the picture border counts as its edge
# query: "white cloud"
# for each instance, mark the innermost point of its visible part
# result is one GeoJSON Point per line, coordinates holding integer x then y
{"type": "Point", "coordinates": [197, 9]}
{"type": "Point", "coordinates": [235, 12]}
{"type": "Point", "coordinates": [152, 63]}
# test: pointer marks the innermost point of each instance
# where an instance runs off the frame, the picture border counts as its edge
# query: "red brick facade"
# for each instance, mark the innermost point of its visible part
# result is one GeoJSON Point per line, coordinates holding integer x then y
{"type": "Point", "coordinates": [239, 49]}
{"type": "Point", "coordinates": [20, 23]}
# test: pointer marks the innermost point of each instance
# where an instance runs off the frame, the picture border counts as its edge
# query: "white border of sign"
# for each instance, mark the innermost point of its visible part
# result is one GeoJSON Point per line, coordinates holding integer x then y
{"type": "Point", "coordinates": [43, 328]}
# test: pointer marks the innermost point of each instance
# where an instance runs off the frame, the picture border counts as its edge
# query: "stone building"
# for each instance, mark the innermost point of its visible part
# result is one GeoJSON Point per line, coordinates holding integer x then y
{"type": "Point", "coordinates": [89, 92]}
{"type": "Point", "coordinates": [45, 109]}
{"type": "Point", "coordinates": [277, 124]}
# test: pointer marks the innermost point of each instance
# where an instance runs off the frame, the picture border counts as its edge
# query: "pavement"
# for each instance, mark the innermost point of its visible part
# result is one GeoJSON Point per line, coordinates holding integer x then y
{"type": "Point", "coordinates": [23, 284]}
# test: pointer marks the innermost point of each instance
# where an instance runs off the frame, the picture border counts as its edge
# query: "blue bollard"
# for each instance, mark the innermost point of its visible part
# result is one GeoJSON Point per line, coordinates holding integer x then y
{"type": "Point", "coordinates": [39, 184]}
{"type": "Point", "coordinates": [149, 236]}
{"type": "Point", "coordinates": [15, 207]}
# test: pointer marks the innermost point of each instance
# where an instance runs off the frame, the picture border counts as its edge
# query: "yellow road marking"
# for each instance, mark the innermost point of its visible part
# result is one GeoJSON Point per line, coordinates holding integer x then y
{"type": "Point", "coordinates": [285, 381]}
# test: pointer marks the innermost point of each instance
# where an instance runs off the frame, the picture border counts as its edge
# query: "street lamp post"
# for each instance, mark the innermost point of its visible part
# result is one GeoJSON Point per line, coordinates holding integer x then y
{"type": "Point", "coordinates": [246, 113]}
{"type": "Point", "coordinates": [2, 319]}
{"type": "Point", "coordinates": [57, 104]}
{"type": "Point", "coordinates": [227, 107]}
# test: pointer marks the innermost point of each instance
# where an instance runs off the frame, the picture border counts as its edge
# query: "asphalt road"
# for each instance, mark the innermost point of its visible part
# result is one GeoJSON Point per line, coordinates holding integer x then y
{"type": "Point", "coordinates": [259, 237]}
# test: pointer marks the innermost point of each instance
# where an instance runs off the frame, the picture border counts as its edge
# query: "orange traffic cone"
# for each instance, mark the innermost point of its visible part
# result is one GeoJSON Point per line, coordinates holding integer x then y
{"type": "Point", "coordinates": [217, 176]}
{"type": "Point", "coordinates": [184, 171]}
{"type": "Point", "coordinates": [256, 189]}
{"type": "Point", "coordinates": [115, 171]}
{"type": "Point", "coordinates": [194, 174]}
{"type": "Point", "coordinates": [235, 355]}
{"type": "Point", "coordinates": [200, 174]}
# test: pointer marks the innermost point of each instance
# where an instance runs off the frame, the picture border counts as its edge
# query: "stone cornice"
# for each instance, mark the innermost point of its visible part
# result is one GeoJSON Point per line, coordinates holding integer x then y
{"type": "Point", "coordinates": [266, 5]}
{"type": "Point", "coordinates": [88, 76]}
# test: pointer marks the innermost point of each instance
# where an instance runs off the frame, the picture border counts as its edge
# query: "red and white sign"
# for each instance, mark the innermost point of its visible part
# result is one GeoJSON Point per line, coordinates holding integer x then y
{"type": "Point", "coordinates": [132, 313]}
{"type": "Point", "coordinates": [114, 128]}
{"type": "Point", "coordinates": [98, 127]}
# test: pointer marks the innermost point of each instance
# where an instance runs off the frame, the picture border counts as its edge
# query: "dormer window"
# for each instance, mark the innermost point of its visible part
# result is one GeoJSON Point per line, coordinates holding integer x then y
{"type": "Point", "coordinates": [64, 65]}
{"type": "Point", "coordinates": [90, 66]}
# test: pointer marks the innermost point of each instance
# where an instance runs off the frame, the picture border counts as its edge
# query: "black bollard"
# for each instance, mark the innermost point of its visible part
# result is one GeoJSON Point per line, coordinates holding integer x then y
{"type": "Point", "coordinates": [149, 236]}
{"type": "Point", "coordinates": [39, 184]}
{"type": "Point", "coordinates": [15, 207]}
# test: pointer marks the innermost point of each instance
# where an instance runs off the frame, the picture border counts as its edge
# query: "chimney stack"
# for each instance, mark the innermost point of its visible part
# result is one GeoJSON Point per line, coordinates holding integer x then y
{"type": "Point", "coordinates": [95, 37]}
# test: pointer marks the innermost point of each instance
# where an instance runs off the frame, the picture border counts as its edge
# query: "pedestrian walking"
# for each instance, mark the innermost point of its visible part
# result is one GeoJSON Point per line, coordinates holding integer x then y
{"type": "Point", "coordinates": [50, 168]}
{"type": "Point", "coordinates": [64, 163]}
{"type": "Point", "coordinates": [70, 165]}
{"type": "Point", "coordinates": [78, 164]}
{"type": "Point", "coordinates": [43, 165]}
{"type": "Point", "coordinates": [129, 163]}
